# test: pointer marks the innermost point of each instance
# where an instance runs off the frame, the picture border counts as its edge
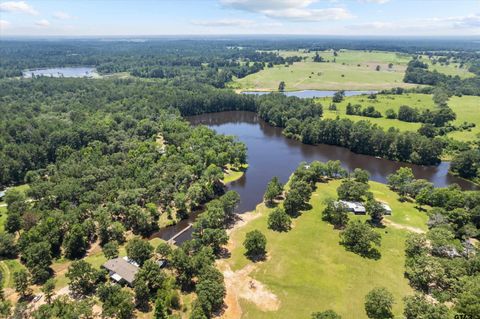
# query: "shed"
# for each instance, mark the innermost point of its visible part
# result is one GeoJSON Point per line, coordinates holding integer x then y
{"type": "Point", "coordinates": [122, 269]}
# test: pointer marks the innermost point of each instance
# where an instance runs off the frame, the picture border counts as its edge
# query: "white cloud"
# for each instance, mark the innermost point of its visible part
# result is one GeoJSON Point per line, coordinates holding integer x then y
{"type": "Point", "coordinates": [375, 1]}
{"type": "Point", "coordinates": [62, 15]}
{"type": "Point", "coordinates": [294, 10]}
{"type": "Point", "coordinates": [4, 24]}
{"type": "Point", "coordinates": [17, 6]}
{"type": "Point", "coordinates": [223, 23]}
{"type": "Point", "coordinates": [442, 25]}
{"type": "Point", "coordinates": [43, 23]}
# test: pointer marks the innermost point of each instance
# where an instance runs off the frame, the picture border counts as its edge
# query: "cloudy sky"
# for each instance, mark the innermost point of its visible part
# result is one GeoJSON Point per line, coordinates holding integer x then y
{"type": "Point", "coordinates": [210, 17]}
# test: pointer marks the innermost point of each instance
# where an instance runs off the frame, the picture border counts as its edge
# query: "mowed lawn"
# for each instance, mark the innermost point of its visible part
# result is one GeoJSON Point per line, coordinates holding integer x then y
{"type": "Point", "coordinates": [310, 271]}
{"type": "Point", "coordinates": [352, 70]}
{"type": "Point", "coordinates": [467, 109]}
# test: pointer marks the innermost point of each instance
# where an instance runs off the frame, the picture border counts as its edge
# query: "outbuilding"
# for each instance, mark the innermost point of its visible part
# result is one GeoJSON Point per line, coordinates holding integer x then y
{"type": "Point", "coordinates": [354, 207]}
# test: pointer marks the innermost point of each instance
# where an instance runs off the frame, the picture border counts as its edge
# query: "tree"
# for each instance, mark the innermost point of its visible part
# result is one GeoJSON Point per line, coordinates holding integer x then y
{"type": "Point", "coordinates": [416, 245]}
{"type": "Point", "coordinates": [281, 86]}
{"type": "Point", "coordinates": [8, 247]}
{"type": "Point", "coordinates": [278, 220]}
{"type": "Point", "coordinates": [274, 189]}
{"type": "Point", "coordinates": [229, 203]}
{"type": "Point", "coordinates": [152, 275]}
{"type": "Point", "coordinates": [38, 258]}
{"type": "Point", "coordinates": [5, 308]}
{"type": "Point", "coordinates": [335, 213]}
{"type": "Point", "coordinates": [427, 130]}
{"type": "Point", "coordinates": [327, 314]}
{"type": "Point", "coordinates": [467, 300]}
{"type": "Point", "coordinates": [255, 243]}
{"type": "Point", "coordinates": [117, 303]}
{"type": "Point", "coordinates": [377, 68]}
{"type": "Point", "coordinates": [110, 249]}
{"type": "Point", "coordinates": [139, 250]}
{"type": "Point", "coordinates": [360, 175]}
{"type": "Point", "coordinates": [379, 303]}
{"type": "Point", "coordinates": [390, 114]}
{"type": "Point", "coordinates": [164, 250]}
{"type": "Point", "coordinates": [75, 243]}
{"type": "Point", "coordinates": [142, 294]}
{"type": "Point", "coordinates": [375, 210]}
{"type": "Point", "coordinates": [48, 290]}
{"type": "Point", "coordinates": [294, 202]}
{"type": "Point", "coordinates": [338, 96]}
{"type": "Point", "coordinates": [418, 306]}
{"type": "Point", "coordinates": [400, 180]}
{"type": "Point", "coordinates": [210, 289]}
{"type": "Point", "coordinates": [21, 282]}
{"type": "Point", "coordinates": [83, 278]}
{"type": "Point", "coordinates": [160, 309]}
{"type": "Point", "coordinates": [352, 190]}
{"type": "Point", "coordinates": [13, 222]}
{"type": "Point", "coordinates": [360, 238]}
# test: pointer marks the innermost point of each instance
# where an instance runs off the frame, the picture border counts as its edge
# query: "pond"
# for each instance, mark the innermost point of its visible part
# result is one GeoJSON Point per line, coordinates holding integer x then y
{"type": "Point", "coordinates": [66, 72]}
{"type": "Point", "coordinates": [272, 154]}
{"type": "Point", "coordinates": [312, 93]}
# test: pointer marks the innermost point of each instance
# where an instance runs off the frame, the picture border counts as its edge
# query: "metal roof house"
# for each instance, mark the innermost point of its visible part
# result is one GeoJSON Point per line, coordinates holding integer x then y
{"type": "Point", "coordinates": [388, 210]}
{"type": "Point", "coordinates": [122, 270]}
{"type": "Point", "coordinates": [354, 207]}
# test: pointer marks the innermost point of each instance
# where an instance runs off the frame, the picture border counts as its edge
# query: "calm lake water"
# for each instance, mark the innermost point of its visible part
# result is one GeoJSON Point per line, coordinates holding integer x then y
{"type": "Point", "coordinates": [67, 72]}
{"type": "Point", "coordinates": [272, 154]}
{"type": "Point", "coordinates": [312, 93]}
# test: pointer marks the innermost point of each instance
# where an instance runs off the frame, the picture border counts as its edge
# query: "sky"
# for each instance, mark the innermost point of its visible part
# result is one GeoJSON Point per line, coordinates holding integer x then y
{"type": "Point", "coordinates": [244, 17]}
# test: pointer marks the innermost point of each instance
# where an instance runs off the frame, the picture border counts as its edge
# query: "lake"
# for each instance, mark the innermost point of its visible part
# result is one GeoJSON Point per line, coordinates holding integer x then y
{"type": "Point", "coordinates": [272, 154]}
{"type": "Point", "coordinates": [67, 72]}
{"type": "Point", "coordinates": [312, 93]}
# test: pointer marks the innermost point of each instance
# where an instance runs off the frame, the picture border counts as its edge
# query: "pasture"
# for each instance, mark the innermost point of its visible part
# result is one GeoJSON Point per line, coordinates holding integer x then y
{"type": "Point", "coordinates": [349, 70]}
{"type": "Point", "coordinates": [310, 253]}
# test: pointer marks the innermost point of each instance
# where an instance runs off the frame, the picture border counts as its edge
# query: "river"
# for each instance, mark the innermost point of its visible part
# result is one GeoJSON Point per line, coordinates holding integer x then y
{"type": "Point", "coordinates": [272, 154]}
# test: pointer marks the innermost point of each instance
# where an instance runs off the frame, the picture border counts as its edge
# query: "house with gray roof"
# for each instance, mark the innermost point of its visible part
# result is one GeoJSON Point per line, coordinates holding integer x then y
{"type": "Point", "coordinates": [122, 270]}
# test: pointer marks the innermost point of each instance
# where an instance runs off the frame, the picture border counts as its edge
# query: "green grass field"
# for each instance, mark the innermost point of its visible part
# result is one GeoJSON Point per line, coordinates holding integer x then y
{"type": "Point", "coordinates": [450, 69]}
{"type": "Point", "coordinates": [353, 70]}
{"type": "Point", "coordinates": [467, 109]}
{"type": "Point", "coordinates": [308, 270]}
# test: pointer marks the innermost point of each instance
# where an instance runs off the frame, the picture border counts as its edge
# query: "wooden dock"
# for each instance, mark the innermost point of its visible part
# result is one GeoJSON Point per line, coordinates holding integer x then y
{"type": "Point", "coordinates": [172, 240]}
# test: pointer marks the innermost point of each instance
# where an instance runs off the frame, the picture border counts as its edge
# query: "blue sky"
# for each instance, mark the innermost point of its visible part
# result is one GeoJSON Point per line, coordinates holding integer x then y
{"type": "Point", "coordinates": [211, 17]}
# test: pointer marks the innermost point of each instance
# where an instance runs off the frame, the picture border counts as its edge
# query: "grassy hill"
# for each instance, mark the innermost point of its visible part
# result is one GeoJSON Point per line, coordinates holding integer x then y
{"type": "Point", "coordinates": [309, 271]}
{"type": "Point", "coordinates": [467, 109]}
{"type": "Point", "coordinates": [352, 70]}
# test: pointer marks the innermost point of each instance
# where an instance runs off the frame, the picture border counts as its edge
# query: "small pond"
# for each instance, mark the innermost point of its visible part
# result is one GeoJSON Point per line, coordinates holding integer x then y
{"type": "Point", "coordinates": [66, 72]}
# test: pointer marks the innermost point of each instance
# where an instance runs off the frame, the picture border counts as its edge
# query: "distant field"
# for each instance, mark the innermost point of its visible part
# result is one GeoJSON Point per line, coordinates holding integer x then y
{"type": "Point", "coordinates": [353, 70]}
{"type": "Point", "coordinates": [467, 109]}
{"type": "Point", "coordinates": [307, 266]}
{"type": "Point", "coordinates": [450, 69]}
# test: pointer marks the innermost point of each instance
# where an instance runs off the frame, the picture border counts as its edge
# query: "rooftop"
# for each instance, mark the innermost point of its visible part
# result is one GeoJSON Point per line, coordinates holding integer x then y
{"type": "Point", "coordinates": [121, 267]}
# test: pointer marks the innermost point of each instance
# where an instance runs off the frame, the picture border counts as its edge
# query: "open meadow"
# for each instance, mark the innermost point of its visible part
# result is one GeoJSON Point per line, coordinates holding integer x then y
{"type": "Point", "coordinates": [308, 270]}
{"type": "Point", "coordinates": [349, 70]}
{"type": "Point", "coordinates": [465, 107]}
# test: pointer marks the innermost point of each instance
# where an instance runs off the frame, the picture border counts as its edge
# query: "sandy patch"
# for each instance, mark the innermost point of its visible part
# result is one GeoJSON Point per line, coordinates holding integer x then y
{"type": "Point", "coordinates": [399, 226]}
{"type": "Point", "coordinates": [240, 285]}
